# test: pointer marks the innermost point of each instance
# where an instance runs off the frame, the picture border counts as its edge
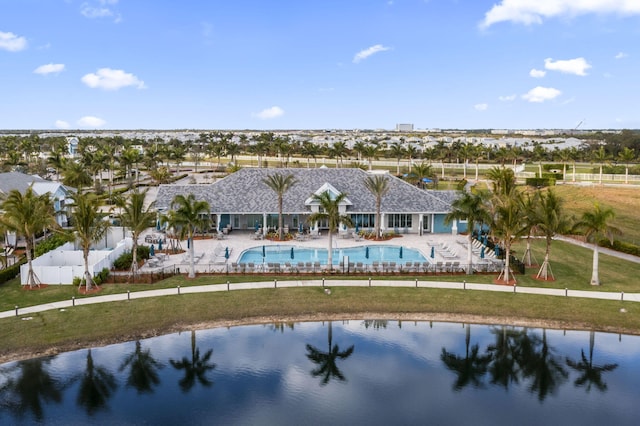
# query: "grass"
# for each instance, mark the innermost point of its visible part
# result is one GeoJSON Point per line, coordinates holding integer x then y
{"type": "Point", "coordinates": [624, 202]}
{"type": "Point", "coordinates": [103, 323]}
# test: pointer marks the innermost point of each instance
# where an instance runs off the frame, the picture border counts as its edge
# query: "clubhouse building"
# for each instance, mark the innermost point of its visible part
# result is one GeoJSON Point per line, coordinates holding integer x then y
{"type": "Point", "coordinates": [244, 201]}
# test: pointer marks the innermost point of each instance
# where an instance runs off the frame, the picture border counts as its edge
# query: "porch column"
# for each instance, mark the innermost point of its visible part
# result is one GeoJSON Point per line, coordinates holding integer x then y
{"type": "Point", "coordinates": [218, 218]}
{"type": "Point", "coordinates": [382, 227]}
{"type": "Point", "coordinates": [420, 223]}
{"type": "Point", "coordinates": [264, 223]}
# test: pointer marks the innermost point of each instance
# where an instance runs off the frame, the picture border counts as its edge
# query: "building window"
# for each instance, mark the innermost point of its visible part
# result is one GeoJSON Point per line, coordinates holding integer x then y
{"type": "Point", "coordinates": [364, 220]}
{"type": "Point", "coordinates": [399, 221]}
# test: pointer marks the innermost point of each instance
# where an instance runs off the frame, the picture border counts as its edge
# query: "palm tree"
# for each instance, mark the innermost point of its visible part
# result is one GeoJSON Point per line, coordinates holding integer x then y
{"type": "Point", "coordinates": [550, 220]}
{"type": "Point", "coordinates": [27, 215]}
{"type": "Point", "coordinates": [76, 175]}
{"type": "Point", "coordinates": [330, 211]}
{"type": "Point", "coordinates": [189, 214]}
{"type": "Point", "coordinates": [327, 361]}
{"type": "Point", "coordinates": [89, 226]}
{"type": "Point", "coordinates": [595, 225]}
{"type": "Point", "coordinates": [470, 368]}
{"type": "Point", "coordinates": [507, 212]}
{"type": "Point", "coordinates": [472, 208]}
{"type": "Point", "coordinates": [379, 187]}
{"type": "Point", "coordinates": [419, 172]}
{"type": "Point", "coordinates": [143, 374]}
{"type": "Point", "coordinates": [137, 218]}
{"type": "Point", "coordinates": [280, 184]}
{"type": "Point", "coordinates": [591, 374]}
{"type": "Point", "coordinates": [371, 152]}
{"type": "Point", "coordinates": [196, 368]}
{"type": "Point", "coordinates": [398, 152]}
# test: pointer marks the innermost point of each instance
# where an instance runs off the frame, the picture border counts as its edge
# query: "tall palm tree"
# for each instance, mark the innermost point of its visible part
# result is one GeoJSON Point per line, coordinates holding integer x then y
{"type": "Point", "coordinates": [470, 206]}
{"type": "Point", "coordinates": [595, 225]}
{"type": "Point", "coordinates": [137, 218]}
{"type": "Point", "coordinates": [378, 185]}
{"type": "Point", "coordinates": [507, 212]}
{"type": "Point", "coordinates": [27, 214]}
{"type": "Point", "coordinates": [330, 211]}
{"type": "Point", "coordinates": [550, 220]}
{"type": "Point", "coordinates": [89, 226]}
{"type": "Point", "coordinates": [327, 361]}
{"type": "Point", "coordinates": [371, 152]}
{"type": "Point", "coordinates": [192, 216]}
{"type": "Point", "coordinates": [280, 185]}
{"type": "Point", "coordinates": [196, 368]}
{"type": "Point", "coordinates": [398, 152]}
{"type": "Point", "coordinates": [143, 374]}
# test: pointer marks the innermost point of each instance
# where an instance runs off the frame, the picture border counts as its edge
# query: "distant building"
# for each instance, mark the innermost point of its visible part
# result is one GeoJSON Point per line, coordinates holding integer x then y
{"type": "Point", "coordinates": [404, 127]}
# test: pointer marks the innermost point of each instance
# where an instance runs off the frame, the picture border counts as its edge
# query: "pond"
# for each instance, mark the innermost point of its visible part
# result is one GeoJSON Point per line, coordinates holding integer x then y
{"type": "Point", "coordinates": [365, 254]}
{"type": "Point", "coordinates": [355, 372]}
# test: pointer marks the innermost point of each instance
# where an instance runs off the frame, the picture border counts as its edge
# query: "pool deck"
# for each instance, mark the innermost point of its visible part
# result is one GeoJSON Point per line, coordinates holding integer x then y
{"type": "Point", "coordinates": [209, 252]}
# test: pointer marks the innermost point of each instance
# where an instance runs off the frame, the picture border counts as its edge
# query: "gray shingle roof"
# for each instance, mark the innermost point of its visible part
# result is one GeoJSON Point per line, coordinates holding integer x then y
{"type": "Point", "coordinates": [245, 192]}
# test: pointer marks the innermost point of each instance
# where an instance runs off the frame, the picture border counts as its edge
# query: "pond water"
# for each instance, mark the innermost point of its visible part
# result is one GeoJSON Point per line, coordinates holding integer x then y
{"type": "Point", "coordinates": [356, 372]}
{"type": "Point", "coordinates": [365, 254]}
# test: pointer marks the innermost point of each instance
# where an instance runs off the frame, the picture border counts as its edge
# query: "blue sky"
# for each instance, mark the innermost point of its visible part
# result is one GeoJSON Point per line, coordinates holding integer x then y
{"type": "Point", "coordinates": [318, 64]}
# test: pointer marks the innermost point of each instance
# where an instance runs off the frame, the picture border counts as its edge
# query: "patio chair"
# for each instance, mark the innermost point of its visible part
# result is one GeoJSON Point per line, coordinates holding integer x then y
{"type": "Point", "coordinates": [359, 267]}
{"type": "Point", "coordinates": [300, 267]}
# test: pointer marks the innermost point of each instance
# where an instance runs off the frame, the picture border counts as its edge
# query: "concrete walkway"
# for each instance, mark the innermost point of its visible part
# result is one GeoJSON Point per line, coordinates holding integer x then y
{"type": "Point", "coordinates": [66, 304]}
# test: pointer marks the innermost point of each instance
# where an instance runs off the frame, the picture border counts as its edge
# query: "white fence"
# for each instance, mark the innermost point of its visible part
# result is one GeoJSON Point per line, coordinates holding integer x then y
{"type": "Point", "coordinates": [60, 266]}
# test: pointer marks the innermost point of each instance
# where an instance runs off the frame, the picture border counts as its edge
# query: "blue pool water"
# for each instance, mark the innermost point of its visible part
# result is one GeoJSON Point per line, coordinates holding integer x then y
{"type": "Point", "coordinates": [379, 253]}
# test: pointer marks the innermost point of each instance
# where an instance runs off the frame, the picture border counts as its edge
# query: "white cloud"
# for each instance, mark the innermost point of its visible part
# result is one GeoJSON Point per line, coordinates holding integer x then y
{"type": "Point", "coordinates": [529, 12]}
{"type": "Point", "coordinates": [364, 54]}
{"type": "Point", "coordinates": [11, 42]}
{"type": "Point", "coordinates": [90, 121]}
{"type": "Point", "coordinates": [577, 66]}
{"type": "Point", "coordinates": [481, 107]}
{"type": "Point", "coordinates": [61, 124]}
{"type": "Point", "coordinates": [109, 79]}
{"type": "Point", "coordinates": [621, 55]}
{"type": "Point", "coordinates": [541, 94]}
{"type": "Point", "coordinates": [100, 9]}
{"type": "Point", "coordinates": [537, 73]}
{"type": "Point", "coordinates": [269, 113]}
{"type": "Point", "coordinates": [507, 98]}
{"type": "Point", "coordinates": [49, 69]}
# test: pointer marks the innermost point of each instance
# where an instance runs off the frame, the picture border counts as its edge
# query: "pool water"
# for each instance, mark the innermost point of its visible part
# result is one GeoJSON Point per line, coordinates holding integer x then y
{"type": "Point", "coordinates": [365, 254]}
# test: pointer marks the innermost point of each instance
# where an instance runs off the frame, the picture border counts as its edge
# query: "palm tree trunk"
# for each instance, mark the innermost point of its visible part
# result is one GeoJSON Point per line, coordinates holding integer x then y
{"type": "Point", "coordinates": [32, 278]}
{"type": "Point", "coordinates": [192, 265]}
{"type": "Point", "coordinates": [470, 253]}
{"type": "Point", "coordinates": [594, 275]}
{"type": "Point", "coordinates": [134, 260]}
{"type": "Point", "coordinates": [330, 252]}
{"type": "Point", "coordinates": [88, 280]}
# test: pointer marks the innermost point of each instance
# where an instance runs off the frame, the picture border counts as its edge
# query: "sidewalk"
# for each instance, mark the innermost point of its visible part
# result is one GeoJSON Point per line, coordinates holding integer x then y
{"type": "Point", "coordinates": [629, 297]}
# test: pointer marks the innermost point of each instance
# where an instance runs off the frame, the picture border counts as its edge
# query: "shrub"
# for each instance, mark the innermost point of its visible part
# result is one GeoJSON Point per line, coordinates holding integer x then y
{"type": "Point", "coordinates": [11, 272]}
{"type": "Point", "coordinates": [124, 260]}
{"type": "Point", "coordinates": [538, 182]}
{"type": "Point", "coordinates": [52, 242]}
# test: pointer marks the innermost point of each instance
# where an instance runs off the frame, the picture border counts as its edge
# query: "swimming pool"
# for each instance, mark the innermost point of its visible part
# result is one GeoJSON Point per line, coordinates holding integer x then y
{"type": "Point", "coordinates": [365, 254]}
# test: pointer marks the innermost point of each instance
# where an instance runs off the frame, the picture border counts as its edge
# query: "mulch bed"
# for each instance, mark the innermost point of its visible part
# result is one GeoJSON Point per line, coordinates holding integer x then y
{"type": "Point", "coordinates": [35, 287]}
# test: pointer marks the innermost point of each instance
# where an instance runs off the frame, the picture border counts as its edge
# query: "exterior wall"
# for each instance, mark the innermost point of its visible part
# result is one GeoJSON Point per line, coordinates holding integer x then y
{"type": "Point", "coordinates": [439, 226]}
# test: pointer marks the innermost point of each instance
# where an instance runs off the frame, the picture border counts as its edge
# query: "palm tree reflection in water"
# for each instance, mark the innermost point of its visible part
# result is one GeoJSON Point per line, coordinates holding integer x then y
{"type": "Point", "coordinates": [196, 368]}
{"type": "Point", "coordinates": [327, 366]}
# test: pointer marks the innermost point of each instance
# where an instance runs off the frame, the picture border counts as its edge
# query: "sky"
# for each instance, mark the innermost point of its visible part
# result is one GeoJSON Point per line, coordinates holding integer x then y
{"type": "Point", "coordinates": [319, 64]}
